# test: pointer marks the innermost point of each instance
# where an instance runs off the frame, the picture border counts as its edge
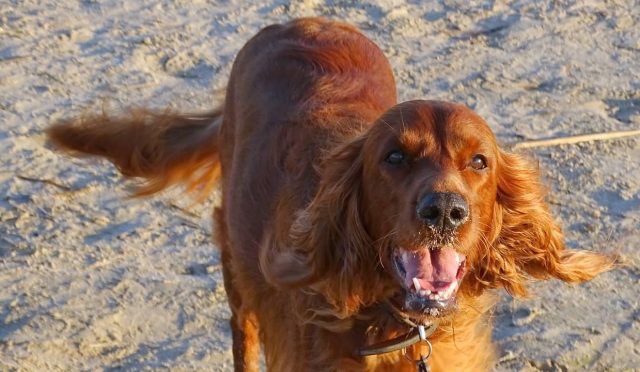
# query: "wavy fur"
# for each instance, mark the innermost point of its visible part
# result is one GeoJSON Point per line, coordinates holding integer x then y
{"type": "Point", "coordinates": [311, 214]}
{"type": "Point", "coordinates": [528, 242]}
{"type": "Point", "coordinates": [162, 148]}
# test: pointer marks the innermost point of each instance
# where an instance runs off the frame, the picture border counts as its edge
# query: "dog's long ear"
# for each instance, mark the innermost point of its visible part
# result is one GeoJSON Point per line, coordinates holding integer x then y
{"type": "Point", "coordinates": [327, 240]}
{"type": "Point", "coordinates": [527, 240]}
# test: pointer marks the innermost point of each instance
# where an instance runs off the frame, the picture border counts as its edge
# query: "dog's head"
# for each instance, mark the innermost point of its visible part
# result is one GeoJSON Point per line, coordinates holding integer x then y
{"type": "Point", "coordinates": [421, 209]}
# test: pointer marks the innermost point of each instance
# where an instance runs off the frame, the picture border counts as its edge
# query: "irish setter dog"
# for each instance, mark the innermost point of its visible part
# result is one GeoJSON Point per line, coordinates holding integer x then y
{"type": "Point", "coordinates": [347, 219]}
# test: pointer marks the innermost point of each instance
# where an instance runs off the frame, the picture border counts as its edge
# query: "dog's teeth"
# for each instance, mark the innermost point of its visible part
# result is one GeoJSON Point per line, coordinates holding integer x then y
{"type": "Point", "coordinates": [447, 293]}
{"type": "Point", "coordinates": [427, 292]}
{"type": "Point", "coordinates": [416, 283]}
{"type": "Point", "coordinates": [432, 296]}
{"type": "Point", "coordinates": [449, 290]}
{"type": "Point", "coordinates": [423, 293]}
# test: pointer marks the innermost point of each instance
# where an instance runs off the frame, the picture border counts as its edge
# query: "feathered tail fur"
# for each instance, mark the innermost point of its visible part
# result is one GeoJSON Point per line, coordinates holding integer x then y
{"type": "Point", "coordinates": [163, 148]}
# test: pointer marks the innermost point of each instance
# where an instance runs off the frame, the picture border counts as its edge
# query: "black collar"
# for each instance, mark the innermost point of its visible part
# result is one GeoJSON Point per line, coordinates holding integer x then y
{"type": "Point", "coordinates": [418, 333]}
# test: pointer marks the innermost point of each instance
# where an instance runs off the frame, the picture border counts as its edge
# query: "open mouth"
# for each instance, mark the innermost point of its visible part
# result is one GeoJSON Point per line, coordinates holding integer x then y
{"type": "Point", "coordinates": [431, 278]}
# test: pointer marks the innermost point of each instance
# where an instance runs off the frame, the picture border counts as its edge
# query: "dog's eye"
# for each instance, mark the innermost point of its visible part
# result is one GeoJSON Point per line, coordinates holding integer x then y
{"type": "Point", "coordinates": [478, 162]}
{"type": "Point", "coordinates": [395, 157]}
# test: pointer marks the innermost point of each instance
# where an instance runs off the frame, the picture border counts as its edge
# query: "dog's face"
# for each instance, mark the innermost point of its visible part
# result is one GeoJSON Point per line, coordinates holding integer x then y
{"type": "Point", "coordinates": [431, 184]}
{"type": "Point", "coordinates": [423, 209]}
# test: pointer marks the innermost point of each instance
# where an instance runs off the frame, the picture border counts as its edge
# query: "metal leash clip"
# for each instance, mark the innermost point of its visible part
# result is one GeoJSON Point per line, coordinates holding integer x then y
{"type": "Point", "coordinates": [421, 364]}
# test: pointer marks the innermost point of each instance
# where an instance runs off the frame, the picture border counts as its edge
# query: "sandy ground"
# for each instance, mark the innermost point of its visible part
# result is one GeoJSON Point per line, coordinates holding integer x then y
{"type": "Point", "coordinates": [92, 281]}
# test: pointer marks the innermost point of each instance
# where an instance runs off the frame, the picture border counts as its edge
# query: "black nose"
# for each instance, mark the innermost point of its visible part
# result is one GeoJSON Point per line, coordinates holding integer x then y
{"type": "Point", "coordinates": [443, 210]}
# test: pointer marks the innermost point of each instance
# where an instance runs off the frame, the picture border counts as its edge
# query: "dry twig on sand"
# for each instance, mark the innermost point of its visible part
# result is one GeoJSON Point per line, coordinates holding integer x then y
{"type": "Point", "coordinates": [575, 139]}
{"type": "Point", "coordinates": [46, 181]}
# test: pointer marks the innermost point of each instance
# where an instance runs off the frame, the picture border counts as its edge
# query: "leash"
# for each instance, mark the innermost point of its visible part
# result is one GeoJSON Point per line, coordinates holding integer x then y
{"type": "Point", "coordinates": [419, 333]}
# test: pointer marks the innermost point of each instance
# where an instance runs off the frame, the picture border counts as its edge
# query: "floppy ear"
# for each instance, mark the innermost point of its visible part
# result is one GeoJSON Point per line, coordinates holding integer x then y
{"type": "Point", "coordinates": [328, 246]}
{"type": "Point", "coordinates": [527, 239]}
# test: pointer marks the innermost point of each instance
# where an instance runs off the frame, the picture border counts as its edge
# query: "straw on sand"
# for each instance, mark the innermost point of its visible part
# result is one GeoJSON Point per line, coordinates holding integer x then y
{"type": "Point", "coordinates": [575, 139]}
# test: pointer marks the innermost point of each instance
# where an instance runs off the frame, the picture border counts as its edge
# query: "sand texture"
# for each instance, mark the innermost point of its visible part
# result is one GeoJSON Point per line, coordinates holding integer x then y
{"type": "Point", "coordinates": [90, 280]}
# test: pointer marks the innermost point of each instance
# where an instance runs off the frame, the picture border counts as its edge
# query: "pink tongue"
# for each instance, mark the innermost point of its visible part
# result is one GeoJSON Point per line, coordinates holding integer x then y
{"type": "Point", "coordinates": [435, 269]}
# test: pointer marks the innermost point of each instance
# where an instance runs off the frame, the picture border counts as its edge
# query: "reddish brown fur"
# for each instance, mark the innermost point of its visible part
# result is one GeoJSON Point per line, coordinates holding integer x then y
{"type": "Point", "coordinates": [162, 148]}
{"type": "Point", "coordinates": [310, 215]}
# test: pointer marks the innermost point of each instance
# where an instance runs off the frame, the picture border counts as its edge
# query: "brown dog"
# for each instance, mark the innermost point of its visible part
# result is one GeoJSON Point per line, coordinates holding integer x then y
{"type": "Point", "coordinates": [347, 220]}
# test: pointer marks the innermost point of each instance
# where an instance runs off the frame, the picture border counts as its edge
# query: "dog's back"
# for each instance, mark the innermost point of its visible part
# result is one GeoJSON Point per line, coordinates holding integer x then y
{"type": "Point", "coordinates": [295, 91]}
